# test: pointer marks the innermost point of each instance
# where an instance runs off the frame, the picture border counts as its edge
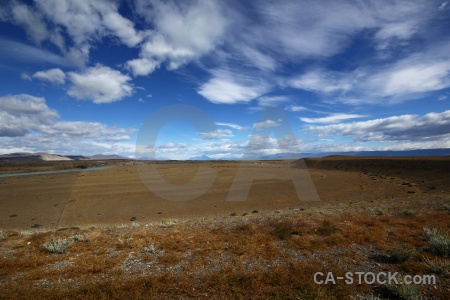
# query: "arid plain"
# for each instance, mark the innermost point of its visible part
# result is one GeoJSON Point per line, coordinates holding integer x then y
{"type": "Point", "coordinates": [359, 206]}
{"type": "Point", "coordinates": [116, 194]}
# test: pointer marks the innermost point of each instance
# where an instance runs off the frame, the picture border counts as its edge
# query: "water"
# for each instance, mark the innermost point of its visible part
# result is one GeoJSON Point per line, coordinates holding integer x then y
{"type": "Point", "coordinates": [55, 172]}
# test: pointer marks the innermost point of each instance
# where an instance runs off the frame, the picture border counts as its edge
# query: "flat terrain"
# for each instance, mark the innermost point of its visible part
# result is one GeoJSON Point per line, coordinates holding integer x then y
{"type": "Point", "coordinates": [128, 189]}
{"type": "Point", "coordinates": [219, 228]}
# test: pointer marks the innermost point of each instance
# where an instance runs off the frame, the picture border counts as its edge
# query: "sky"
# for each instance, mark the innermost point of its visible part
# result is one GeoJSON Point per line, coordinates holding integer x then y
{"type": "Point", "coordinates": [224, 78]}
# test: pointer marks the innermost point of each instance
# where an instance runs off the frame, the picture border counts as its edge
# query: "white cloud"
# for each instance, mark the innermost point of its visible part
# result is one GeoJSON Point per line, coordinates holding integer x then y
{"type": "Point", "coordinates": [295, 108]}
{"type": "Point", "coordinates": [402, 80]}
{"type": "Point", "coordinates": [228, 88]}
{"type": "Point", "coordinates": [272, 100]}
{"type": "Point", "coordinates": [231, 125]}
{"type": "Point", "coordinates": [142, 66]}
{"type": "Point", "coordinates": [25, 77]}
{"type": "Point", "coordinates": [21, 113]}
{"type": "Point", "coordinates": [311, 29]}
{"type": "Point", "coordinates": [100, 84]}
{"type": "Point", "coordinates": [217, 134]}
{"type": "Point", "coordinates": [402, 30]}
{"type": "Point", "coordinates": [183, 32]}
{"type": "Point", "coordinates": [247, 56]}
{"type": "Point", "coordinates": [331, 118]}
{"type": "Point", "coordinates": [432, 126]}
{"type": "Point", "coordinates": [52, 75]}
{"type": "Point", "coordinates": [413, 76]}
{"type": "Point", "coordinates": [26, 54]}
{"type": "Point", "coordinates": [27, 123]}
{"type": "Point", "coordinates": [122, 28]}
{"type": "Point", "coordinates": [73, 26]}
{"type": "Point", "coordinates": [86, 21]}
{"type": "Point", "coordinates": [266, 124]}
{"type": "Point", "coordinates": [322, 81]}
{"type": "Point", "coordinates": [31, 20]}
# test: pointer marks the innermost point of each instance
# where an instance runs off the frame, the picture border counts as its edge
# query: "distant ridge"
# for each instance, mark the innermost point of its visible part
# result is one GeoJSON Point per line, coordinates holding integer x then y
{"type": "Point", "coordinates": [42, 156]}
{"type": "Point", "coordinates": [201, 157]}
{"type": "Point", "coordinates": [110, 156]}
{"type": "Point", "coordinates": [418, 152]}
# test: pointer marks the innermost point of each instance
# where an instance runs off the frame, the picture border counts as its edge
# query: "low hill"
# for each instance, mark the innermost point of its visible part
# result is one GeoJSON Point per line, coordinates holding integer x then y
{"type": "Point", "coordinates": [42, 156]}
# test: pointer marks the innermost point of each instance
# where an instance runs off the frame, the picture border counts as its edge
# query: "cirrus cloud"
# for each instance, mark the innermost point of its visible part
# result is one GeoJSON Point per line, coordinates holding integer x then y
{"type": "Point", "coordinates": [331, 118]}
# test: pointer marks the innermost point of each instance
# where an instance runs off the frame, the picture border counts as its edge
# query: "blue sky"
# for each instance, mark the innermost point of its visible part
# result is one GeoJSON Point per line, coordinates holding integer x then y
{"type": "Point", "coordinates": [83, 77]}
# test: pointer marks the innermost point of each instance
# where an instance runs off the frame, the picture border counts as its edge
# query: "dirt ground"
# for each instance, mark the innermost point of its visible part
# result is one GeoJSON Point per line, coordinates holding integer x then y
{"type": "Point", "coordinates": [132, 190]}
{"type": "Point", "coordinates": [224, 229]}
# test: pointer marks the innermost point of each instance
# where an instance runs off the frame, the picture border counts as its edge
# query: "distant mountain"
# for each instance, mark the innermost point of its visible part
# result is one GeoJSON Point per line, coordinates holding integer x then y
{"type": "Point", "coordinates": [28, 157]}
{"type": "Point", "coordinates": [201, 157]}
{"type": "Point", "coordinates": [78, 157]}
{"type": "Point", "coordinates": [42, 156]}
{"type": "Point", "coordinates": [110, 156]}
{"type": "Point", "coordinates": [282, 156]}
{"type": "Point", "coordinates": [418, 152]}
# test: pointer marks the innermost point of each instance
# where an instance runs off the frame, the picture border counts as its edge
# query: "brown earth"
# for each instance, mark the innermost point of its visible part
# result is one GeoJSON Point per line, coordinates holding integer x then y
{"type": "Point", "coordinates": [132, 236]}
{"type": "Point", "coordinates": [128, 189]}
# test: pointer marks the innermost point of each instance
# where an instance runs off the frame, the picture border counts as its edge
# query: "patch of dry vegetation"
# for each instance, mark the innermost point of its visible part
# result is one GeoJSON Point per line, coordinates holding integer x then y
{"type": "Point", "coordinates": [255, 256]}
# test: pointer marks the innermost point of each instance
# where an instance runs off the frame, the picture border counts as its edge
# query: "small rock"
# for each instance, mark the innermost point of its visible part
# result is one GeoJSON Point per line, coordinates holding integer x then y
{"type": "Point", "coordinates": [233, 214]}
{"type": "Point", "coordinates": [13, 216]}
{"type": "Point", "coordinates": [36, 225]}
{"type": "Point", "coordinates": [133, 219]}
{"type": "Point", "coordinates": [255, 211]}
{"type": "Point", "coordinates": [244, 214]}
{"type": "Point", "coordinates": [159, 213]}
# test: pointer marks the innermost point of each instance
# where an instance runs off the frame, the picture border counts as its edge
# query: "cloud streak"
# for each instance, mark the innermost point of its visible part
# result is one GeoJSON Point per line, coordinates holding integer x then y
{"type": "Point", "coordinates": [429, 127]}
{"type": "Point", "coordinates": [331, 118]}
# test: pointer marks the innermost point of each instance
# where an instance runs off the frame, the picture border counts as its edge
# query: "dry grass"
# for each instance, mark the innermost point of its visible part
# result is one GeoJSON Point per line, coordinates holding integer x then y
{"type": "Point", "coordinates": [402, 252]}
{"type": "Point", "coordinates": [437, 265]}
{"type": "Point", "coordinates": [439, 241]}
{"type": "Point", "coordinates": [257, 256]}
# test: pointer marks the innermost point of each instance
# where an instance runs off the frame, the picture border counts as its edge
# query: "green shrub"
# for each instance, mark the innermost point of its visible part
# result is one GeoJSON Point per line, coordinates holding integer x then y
{"type": "Point", "coordinates": [404, 291]}
{"type": "Point", "coordinates": [367, 297]}
{"type": "Point", "coordinates": [402, 252]}
{"type": "Point", "coordinates": [58, 245]}
{"type": "Point", "coordinates": [439, 241]}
